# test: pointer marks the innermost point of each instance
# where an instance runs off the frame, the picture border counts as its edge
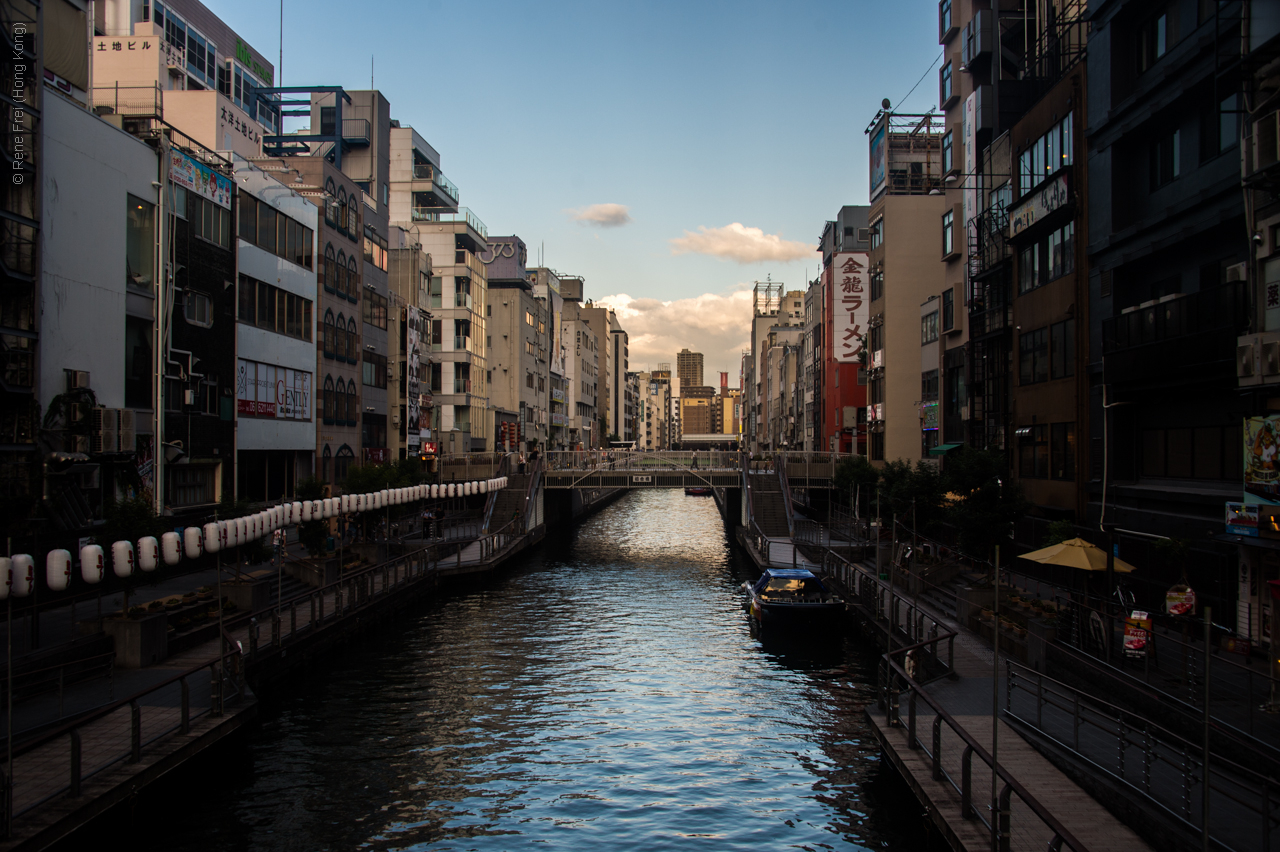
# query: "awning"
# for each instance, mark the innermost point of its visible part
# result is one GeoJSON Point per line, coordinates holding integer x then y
{"type": "Point", "coordinates": [943, 449]}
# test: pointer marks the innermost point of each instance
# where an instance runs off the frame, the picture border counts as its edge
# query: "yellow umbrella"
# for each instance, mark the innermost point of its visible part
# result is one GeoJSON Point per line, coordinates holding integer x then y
{"type": "Point", "coordinates": [1076, 553]}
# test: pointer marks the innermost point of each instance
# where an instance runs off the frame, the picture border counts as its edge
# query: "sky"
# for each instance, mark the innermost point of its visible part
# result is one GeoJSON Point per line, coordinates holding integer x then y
{"type": "Point", "coordinates": [670, 153]}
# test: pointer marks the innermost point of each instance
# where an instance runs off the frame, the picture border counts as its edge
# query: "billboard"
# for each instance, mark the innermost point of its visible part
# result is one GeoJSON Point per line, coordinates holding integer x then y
{"type": "Point", "coordinates": [265, 390]}
{"type": "Point", "coordinates": [412, 337]}
{"type": "Point", "coordinates": [1262, 460]}
{"type": "Point", "coordinates": [199, 178]}
{"type": "Point", "coordinates": [879, 136]}
{"type": "Point", "coordinates": [851, 310]}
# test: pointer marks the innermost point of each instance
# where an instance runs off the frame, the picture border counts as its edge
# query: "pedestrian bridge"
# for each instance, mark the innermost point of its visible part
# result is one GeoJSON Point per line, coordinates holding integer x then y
{"type": "Point", "coordinates": [685, 469]}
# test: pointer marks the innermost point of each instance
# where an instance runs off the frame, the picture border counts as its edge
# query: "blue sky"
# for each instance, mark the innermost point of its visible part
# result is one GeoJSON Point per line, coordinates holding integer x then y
{"type": "Point", "coordinates": [693, 116]}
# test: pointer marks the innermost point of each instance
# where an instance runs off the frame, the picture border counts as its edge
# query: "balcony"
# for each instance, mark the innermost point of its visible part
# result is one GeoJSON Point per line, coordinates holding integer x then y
{"type": "Point", "coordinates": [426, 171]}
{"type": "Point", "coordinates": [431, 214]}
{"type": "Point", "coordinates": [1177, 336]}
{"type": "Point", "coordinates": [136, 101]}
{"type": "Point", "coordinates": [355, 131]}
{"type": "Point", "coordinates": [462, 386]}
{"type": "Point", "coordinates": [461, 344]}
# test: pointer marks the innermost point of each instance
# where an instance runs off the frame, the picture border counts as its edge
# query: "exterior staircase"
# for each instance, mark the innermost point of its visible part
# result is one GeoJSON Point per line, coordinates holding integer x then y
{"type": "Point", "coordinates": [769, 504]}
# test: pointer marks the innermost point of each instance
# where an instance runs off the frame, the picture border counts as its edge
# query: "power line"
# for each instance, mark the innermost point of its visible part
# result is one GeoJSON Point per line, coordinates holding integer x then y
{"type": "Point", "coordinates": [903, 99]}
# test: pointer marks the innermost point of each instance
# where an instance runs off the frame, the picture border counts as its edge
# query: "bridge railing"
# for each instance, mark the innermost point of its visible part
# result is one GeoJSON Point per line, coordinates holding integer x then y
{"type": "Point", "coordinates": [641, 462]}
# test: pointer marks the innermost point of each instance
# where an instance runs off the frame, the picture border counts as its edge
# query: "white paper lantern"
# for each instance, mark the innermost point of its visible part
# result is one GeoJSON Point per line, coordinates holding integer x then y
{"type": "Point", "coordinates": [329, 508]}
{"type": "Point", "coordinates": [483, 486]}
{"type": "Point", "coordinates": [171, 548]}
{"type": "Point", "coordinates": [92, 564]}
{"type": "Point", "coordinates": [384, 498]}
{"type": "Point", "coordinates": [22, 575]}
{"type": "Point", "coordinates": [57, 569]}
{"type": "Point", "coordinates": [148, 553]}
{"type": "Point", "coordinates": [191, 540]}
{"type": "Point", "coordinates": [212, 537]}
{"type": "Point", "coordinates": [122, 556]}
{"type": "Point", "coordinates": [307, 509]}
{"type": "Point", "coordinates": [241, 533]}
{"type": "Point", "coordinates": [297, 511]}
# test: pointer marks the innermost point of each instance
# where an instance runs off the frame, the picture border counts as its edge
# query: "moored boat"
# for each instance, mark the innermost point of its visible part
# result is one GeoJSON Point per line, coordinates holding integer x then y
{"type": "Point", "coordinates": [698, 490]}
{"type": "Point", "coordinates": [791, 595]}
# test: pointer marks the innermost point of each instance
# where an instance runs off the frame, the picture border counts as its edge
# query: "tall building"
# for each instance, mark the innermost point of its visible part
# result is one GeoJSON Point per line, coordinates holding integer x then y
{"type": "Point", "coordinates": [777, 320]}
{"type": "Point", "coordinates": [689, 368]}
{"type": "Point", "coordinates": [517, 343]}
{"type": "Point", "coordinates": [912, 232]}
{"type": "Point", "coordinates": [409, 282]}
{"type": "Point", "coordinates": [425, 203]}
{"type": "Point", "coordinates": [837, 320]}
{"type": "Point", "coordinates": [654, 408]}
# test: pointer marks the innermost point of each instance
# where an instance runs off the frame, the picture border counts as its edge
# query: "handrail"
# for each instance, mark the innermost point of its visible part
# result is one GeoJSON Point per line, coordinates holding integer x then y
{"type": "Point", "coordinates": [1120, 722]}
{"type": "Point", "coordinates": [1011, 785]}
{"type": "Point", "coordinates": [781, 467]}
{"type": "Point", "coordinates": [93, 715]}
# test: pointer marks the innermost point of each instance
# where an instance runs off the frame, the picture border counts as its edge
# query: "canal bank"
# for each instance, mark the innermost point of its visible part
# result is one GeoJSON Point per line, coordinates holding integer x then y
{"type": "Point", "coordinates": [605, 688]}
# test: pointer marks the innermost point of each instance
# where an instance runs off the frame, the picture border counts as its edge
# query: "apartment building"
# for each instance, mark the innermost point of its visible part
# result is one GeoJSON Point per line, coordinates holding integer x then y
{"type": "Point", "coordinates": [425, 203]}
{"type": "Point", "coordinates": [409, 285]}
{"type": "Point", "coordinates": [912, 232]}
{"type": "Point", "coordinates": [518, 342]}
{"type": "Point", "coordinates": [655, 403]}
{"type": "Point", "coordinates": [837, 314]}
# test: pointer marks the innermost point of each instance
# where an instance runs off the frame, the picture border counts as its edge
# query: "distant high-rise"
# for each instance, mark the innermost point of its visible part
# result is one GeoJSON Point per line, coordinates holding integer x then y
{"type": "Point", "coordinates": [689, 368]}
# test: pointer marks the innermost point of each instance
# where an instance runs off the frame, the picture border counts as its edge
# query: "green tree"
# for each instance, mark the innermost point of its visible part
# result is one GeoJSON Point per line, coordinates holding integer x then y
{"type": "Point", "coordinates": [855, 472]}
{"type": "Point", "coordinates": [983, 502]}
{"type": "Point", "coordinates": [312, 534]}
{"type": "Point", "coordinates": [905, 489]}
{"type": "Point", "coordinates": [1059, 531]}
{"type": "Point", "coordinates": [129, 520]}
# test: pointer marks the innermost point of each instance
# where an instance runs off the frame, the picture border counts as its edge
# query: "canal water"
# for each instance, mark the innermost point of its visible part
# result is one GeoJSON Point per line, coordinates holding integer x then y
{"type": "Point", "coordinates": [603, 692]}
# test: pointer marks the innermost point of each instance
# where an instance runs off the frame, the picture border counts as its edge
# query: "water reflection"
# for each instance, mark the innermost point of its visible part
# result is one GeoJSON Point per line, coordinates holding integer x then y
{"type": "Point", "coordinates": [605, 693]}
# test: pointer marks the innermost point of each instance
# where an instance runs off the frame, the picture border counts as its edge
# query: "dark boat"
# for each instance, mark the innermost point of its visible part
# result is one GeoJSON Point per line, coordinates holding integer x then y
{"type": "Point", "coordinates": [698, 490]}
{"type": "Point", "coordinates": [791, 596]}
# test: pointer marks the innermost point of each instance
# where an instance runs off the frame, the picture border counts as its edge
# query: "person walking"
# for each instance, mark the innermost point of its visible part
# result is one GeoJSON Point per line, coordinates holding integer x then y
{"type": "Point", "coordinates": [520, 463]}
{"type": "Point", "coordinates": [277, 544]}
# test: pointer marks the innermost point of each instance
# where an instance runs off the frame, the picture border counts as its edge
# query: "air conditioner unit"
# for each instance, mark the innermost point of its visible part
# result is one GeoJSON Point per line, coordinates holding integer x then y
{"type": "Point", "coordinates": [1244, 361]}
{"type": "Point", "coordinates": [1271, 358]}
{"type": "Point", "coordinates": [1236, 272]}
{"type": "Point", "coordinates": [126, 431]}
{"type": "Point", "coordinates": [77, 379]}
{"type": "Point", "coordinates": [1266, 141]}
{"type": "Point", "coordinates": [395, 418]}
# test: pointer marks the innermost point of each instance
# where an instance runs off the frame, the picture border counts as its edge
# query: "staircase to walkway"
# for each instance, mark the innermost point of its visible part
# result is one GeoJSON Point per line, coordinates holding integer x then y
{"type": "Point", "coordinates": [509, 501]}
{"type": "Point", "coordinates": [768, 504]}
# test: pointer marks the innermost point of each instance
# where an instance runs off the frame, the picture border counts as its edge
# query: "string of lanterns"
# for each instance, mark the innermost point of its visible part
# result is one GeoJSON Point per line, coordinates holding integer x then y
{"type": "Point", "coordinates": [19, 570]}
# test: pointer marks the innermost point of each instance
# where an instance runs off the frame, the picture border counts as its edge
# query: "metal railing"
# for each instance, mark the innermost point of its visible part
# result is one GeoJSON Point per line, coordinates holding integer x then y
{"type": "Point", "coordinates": [432, 214]}
{"type": "Point", "coordinates": [642, 462]}
{"type": "Point", "coordinates": [121, 730]}
{"type": "Point", "coordinates": [54, 680]}
{"type": "Point", "coordinates": [898, 680]}
{"type": "Point", "coordinates": [145, 101]}
{"type": "Point", "coordinates": [1167, 770]}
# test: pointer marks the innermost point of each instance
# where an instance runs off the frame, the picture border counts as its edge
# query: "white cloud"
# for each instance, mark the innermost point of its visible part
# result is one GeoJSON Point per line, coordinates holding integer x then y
{"type": "Point", "coordinates": [717, 325]}
{"type": "Point", "coordinates": [602, 215]}
{"type": "Point", "coordinates": [740, 243]}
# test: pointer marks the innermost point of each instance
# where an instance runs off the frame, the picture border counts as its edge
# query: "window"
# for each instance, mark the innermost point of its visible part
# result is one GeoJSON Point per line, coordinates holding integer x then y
{"type": "Point", "coordinates": [948, 310]}
{"type": "Point", "coordinates": [137, 362]}
{"type": "Point", "coordinates": [877, 233]}
{"type": "Point", "coordinates": [1166, 152]}
{"type": "Point", "coordinates": [1220, 128]}
{"type": "Point", "coordinates": [528, 380]}
{"type": "Point", "coordinates": [1062, 349]}
{"type": "Point", "coordinates": [1033, 356]}
{"type": "Point", "coordinates": [944, 83]}
{"type": "Point", "coordinates": [876, 281]}
{"type": "Point", "coordinates": [330, 400]}
{"type": "Point", "coordinates": [273, 309]}
{"type": "Point", "coordinates": [948, 233]}
{"type": "Point", "coordinates": [1061, 251]}
{"type": "Point", "coordinates": [947, 158]}
{"type": "Point", "coordinates": [352, 280]}
{"type": "Point", "coordinates": [373, 430]}
{"type": "Point", "coordinates": [929, 386]}
{"type": "Point", "coordinates": [528, 318]}
{"type": "Point", "coordinates": [375, 370]}
{"type": "Point", "coordinates": [1062, 451]}
{"type": "Point", "coordinates": [1155, 37]}
{"type": "Point", "coordinates": [329, 270]}
{"type": "Point", "coordinates": [1043, 158]}
{"type": "Point", "coordinates": [1033, 452]}
{"type": "Point", "coordinates": [375, 249]}
{"type": "Point", "coordinates": [268, 229]}
{"type": "Point", "coordinates": [944, 18]}
{"type": "Point", "coordinates": [353, 342]}
{"type": "Point", "coordinates": [375, 310]}
{"type": "Point", "coordinates": [197, 308]}
{"type": "Point", "coordinates": [140, 242]}
{"type": "Point", "coordinates": [191, 484]}
{"type": "Point", "coordinates": [1029, 268]}
{"type": "Point", "coordinates": [929, 328]}
{"type": "Point", "coordinates": [208, 220]}
{"type": "Point", "coordinates": [1192, 452]}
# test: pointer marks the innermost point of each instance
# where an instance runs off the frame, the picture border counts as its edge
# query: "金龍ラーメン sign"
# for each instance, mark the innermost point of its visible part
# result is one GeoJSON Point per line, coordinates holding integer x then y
{"type": "Point", "coordinates": [199, 178]}
{"type": "Point", "coordinates": [265, 390]}
{"type": "Point", "coordinates": [850, 306]}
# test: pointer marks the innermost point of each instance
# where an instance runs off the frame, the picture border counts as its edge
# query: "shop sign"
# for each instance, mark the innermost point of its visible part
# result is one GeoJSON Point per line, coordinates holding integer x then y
{"type": "Point", "coordinates": [199, 178]}
{"type": "Point", "coordinates": [1137, 634]}
{"type": "Point", "coordinates": [1180, 600]}
{"type": "Point", "coordinates": [1262, 459]}
{"type": "Point", "coordinates": [265, 390]}
{"type": "Point", "coordinates": [1242, 519]}
{"type": "Point", "coordinates": [376, 455]}
{"type": "Point", "coordinates": [929, 416]}
{"type": "Point", "coordinates": [429, 447]}
{"type": "Point", "coordinates": [1038, 206]}
{"type": "Point", "coordinates": [852, 309]}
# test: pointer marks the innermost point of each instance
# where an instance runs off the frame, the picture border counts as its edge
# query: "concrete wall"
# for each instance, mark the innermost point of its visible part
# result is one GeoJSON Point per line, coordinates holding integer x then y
{"type": "Point", "coordinates": [90, 168]}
